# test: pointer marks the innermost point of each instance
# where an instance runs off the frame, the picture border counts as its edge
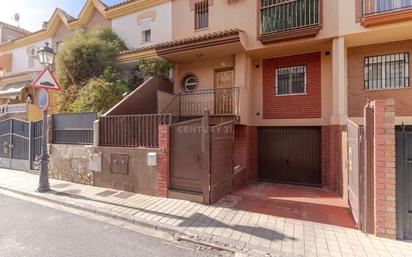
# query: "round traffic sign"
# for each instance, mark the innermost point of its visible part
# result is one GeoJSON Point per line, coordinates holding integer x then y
{"type": "Point", "coordinates": [42, 99]}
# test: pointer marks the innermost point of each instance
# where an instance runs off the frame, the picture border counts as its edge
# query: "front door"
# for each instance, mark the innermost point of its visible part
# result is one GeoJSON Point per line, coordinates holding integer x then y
{"type": "Point", "coordinates": [404, 184]}
{"type": "Point", "coordinates": [224, 96]}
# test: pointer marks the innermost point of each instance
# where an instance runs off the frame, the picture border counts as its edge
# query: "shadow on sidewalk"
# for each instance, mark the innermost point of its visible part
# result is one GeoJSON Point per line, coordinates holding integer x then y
{"type": "Point", "coordinates": [195, 220]}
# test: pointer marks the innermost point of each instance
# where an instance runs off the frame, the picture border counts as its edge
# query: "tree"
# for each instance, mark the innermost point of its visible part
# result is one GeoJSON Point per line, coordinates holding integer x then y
{"type": "Point", "coordinates": [154, 68]}
{"type": "Point", "coordinates": [85, 63]}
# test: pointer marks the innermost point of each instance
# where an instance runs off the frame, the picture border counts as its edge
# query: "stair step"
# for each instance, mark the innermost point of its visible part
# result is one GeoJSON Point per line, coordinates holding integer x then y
{"type": "Point", "coordinates": [186, 195]}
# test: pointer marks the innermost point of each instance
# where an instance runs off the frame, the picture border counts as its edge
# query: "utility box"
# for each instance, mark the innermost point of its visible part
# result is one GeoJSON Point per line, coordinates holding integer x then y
{"type": "Point", "coordinates": [95, 162]}
{"type": "Point", "coordinates": [152, 159]}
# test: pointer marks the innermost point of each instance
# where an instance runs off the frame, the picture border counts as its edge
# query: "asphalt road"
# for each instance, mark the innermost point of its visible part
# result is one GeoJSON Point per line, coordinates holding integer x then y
{"type": "Point", "coordinates": [28, 229]}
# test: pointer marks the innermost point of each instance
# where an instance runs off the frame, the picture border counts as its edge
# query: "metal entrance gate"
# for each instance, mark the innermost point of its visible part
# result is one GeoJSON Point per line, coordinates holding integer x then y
{"type": "Point", "coordinates": [18, 144]}
{"type": "Point", "coordinates": [404, 183]}
{"type": "Point", "coordinates": [355, 169]}
{"type": "Point", "coordinates": [201, 158]}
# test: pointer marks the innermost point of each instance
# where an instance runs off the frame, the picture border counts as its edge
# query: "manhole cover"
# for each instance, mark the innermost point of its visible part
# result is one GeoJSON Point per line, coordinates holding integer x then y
{"type": "Point", "coordinates": [124, 195]}
{"type": "Point", "coordinates": [106, 193]}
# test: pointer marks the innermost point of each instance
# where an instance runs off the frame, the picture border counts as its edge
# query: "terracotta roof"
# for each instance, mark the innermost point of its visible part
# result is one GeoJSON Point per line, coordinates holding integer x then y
{"type": "Point", "coordinates": [186, 41]}
{"type": "Point", "coordinates": [66, 15]}
{"type": "Point", "coordinates": [190, 40]}
{"type": "Point", "coordinates": [15, 28]}
{"type": "Point", "coordinates": [119, 4]}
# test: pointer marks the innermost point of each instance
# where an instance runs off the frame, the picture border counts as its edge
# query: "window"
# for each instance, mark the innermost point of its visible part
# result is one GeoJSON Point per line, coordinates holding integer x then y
{"type": "Point", "coordinates": [146, 36]}
{"type": "Point", "coordinates": [190, 82]}
{"type": "Point", "coordinates": [146, 29]}
{"type": "Point", "coordinates": [291, 80]}
{"type": "Point", "coordinates": [202, 15]}
{"type": "Point", "coordinates": [388, 5]}
{"type": "Point", "coordinates": [387, 71]}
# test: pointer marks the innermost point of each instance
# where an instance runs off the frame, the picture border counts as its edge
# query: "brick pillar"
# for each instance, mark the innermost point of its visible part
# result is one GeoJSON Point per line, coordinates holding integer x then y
{"type": "Point", "coordinates": [164, 160]}
{"type": "Point", "coordinates": [331, 156]}
{"type": "Point", "coordinates": [384, 168]}
{"type": "Point", "coordinates": [245, 150]}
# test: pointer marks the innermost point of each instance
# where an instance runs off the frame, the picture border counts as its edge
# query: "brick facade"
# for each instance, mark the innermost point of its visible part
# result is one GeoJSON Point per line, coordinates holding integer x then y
{"type": "Point", "coordinates": [245, 150]}
{"type": "Point", "coordinates": [163, 159]}
{"type": "Point", "coordinates": [331, 154]}
{"type": "Point", "coordinates": [384, 168]}
{"type": "Point", "coordinates": [358, 97]}
{"type": "Point", "coordinates": [293, 106]}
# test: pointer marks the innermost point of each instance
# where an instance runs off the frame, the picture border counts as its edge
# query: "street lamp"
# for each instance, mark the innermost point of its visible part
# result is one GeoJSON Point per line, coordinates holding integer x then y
{"type": "Point", "coordinates": [46, 58]}
{"type": "Point", "coordinates": [46, 55]}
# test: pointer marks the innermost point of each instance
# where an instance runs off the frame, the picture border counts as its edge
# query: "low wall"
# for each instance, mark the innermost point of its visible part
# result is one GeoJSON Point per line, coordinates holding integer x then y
{"type": "Point", "coordinates": [71, 163]}
{"type": "Point", "coordinates": [119, 168]}
{"type": "Point", "coordinates": [126, 169]}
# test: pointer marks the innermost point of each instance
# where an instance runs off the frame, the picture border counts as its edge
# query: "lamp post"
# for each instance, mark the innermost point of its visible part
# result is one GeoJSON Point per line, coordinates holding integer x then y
{"type": "Point", "coordinates": [46, 58]}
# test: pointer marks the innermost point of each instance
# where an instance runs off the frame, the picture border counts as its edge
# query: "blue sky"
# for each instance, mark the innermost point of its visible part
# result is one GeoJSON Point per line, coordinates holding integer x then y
{"type": "Point", "coordinates": [33, 13]}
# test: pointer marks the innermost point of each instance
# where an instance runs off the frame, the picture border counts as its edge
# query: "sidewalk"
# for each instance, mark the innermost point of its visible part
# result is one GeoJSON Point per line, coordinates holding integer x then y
{"type": "Point", "coordinates": [227, 227]}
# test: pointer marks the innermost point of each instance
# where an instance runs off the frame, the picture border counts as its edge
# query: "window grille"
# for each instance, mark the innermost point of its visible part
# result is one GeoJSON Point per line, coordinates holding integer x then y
{"type": "Point", "coordinates": [291, 80]}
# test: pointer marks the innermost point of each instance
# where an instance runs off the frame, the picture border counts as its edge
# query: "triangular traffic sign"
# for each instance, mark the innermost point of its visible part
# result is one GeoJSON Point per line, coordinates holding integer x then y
{"type": "Point", "coordinates": [46, 80]}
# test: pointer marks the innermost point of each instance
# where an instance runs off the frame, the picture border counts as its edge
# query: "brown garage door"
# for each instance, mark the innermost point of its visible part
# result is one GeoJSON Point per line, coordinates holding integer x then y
{"type": "Point", "coordinates": [290, 154]}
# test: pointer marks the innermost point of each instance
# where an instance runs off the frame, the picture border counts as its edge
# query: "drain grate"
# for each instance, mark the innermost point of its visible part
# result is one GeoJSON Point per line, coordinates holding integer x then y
{"type": "Point", "coordinates": [106, 193]}
{"type": "Point", "coordinates": [124, 195]}
{"type": "Point", "coordinates": [62, 185]}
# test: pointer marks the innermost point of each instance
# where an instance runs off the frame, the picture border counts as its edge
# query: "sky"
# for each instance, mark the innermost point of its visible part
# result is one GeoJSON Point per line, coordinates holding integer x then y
{"type": "Point", "coordinates": [34, 12]}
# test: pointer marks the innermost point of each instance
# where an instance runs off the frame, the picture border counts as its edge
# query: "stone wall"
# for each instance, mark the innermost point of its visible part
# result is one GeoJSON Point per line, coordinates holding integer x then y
{"type": "Point", "coordinates": [70, 163]}
{"type": "Point", "coordinates": [120, 168]}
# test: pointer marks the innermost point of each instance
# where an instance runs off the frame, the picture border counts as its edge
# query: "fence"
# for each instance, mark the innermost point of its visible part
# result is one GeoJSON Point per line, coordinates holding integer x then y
{"type": "Point", "coordinates": [285, 15]}
{"type": "Point", "coordinates": [73, 128]}
{"type": "Point", "coordinates": [219, 101]}
{"type": "Point", "coordinates": [131, 130]}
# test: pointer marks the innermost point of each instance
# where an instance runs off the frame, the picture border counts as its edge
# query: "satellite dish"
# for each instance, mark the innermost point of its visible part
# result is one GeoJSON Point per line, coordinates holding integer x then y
{"type": "Point", "coordinates": [17, 19]}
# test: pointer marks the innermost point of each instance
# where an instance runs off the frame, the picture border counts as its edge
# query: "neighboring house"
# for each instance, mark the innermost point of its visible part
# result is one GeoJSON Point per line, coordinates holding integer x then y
{"type": "Point", "coordinates": [136, 22]}
{"type": "Point", "coordinates": [290, 74]}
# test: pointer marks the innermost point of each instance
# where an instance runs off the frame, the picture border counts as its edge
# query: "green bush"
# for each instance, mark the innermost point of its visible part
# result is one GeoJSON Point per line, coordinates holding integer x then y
{"type": "Point", "coordinates": [98, 95]}
{"type": "Point", "coordinates": [154, 68]}
{"type": "Point", "coordinates": [86, 71]}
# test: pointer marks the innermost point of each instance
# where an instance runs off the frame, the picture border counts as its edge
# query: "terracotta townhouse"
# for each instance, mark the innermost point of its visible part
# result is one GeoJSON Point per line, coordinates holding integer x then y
{"type": "Point", "coordinates": [290, 76]}
{"type": "Point", "coordinates": [268, 93]}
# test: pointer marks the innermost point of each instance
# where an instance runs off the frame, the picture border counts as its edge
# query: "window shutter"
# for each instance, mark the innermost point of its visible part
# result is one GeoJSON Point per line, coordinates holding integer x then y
{"type": "Point", "coordinates": [145, 25]}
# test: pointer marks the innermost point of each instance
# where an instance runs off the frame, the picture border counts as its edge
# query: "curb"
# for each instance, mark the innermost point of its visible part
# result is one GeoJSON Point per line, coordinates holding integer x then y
{"type": "Point", "coordinates": [189, 235]}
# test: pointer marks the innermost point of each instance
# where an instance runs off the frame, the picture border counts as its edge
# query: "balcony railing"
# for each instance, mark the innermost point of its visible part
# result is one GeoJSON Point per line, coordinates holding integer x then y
{"type": "Point", "coordinates": [383, 6]}
{"type": "Point", "coordinates": [13, 108]}
{"type": "Point", "coordinates": [286, 15]}
{"type": "Point", "coordinates": [220, 102]}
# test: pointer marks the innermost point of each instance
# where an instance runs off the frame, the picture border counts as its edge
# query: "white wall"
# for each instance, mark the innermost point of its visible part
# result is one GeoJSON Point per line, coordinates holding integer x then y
{"type": "Point", "coordinates": [20, 62]}
{"type": "Point", "coordinates": [128, 29]}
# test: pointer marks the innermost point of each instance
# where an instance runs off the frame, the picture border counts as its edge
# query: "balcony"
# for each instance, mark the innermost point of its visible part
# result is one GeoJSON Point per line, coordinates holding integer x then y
{"type": "Point", "coordinates": [282, 20]}
{"type": "Point", "coordinates": [192, 104]}
{"type": "Point", "coordinates": [382, 12]}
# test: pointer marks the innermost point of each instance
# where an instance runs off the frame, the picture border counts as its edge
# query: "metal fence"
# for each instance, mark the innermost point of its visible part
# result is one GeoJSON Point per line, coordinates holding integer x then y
{"type": "Point", "coordinates": [131, 130]}
{"type": "Point", "coordinates": [219, 101]}
{"type": "Point", "coordinates": [285, 15]}
{"type": "Point", "coordinates": [73, 128]}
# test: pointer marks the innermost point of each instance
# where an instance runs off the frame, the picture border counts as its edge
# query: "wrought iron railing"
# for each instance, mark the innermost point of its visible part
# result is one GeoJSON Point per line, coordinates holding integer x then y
{"type": "Point", "coordinates": [13, 108]}
{"type": "Point", "coordinates": [285, 15]}
{"type": "Point", "coordinates": [220, 101]}
{"type": "Point", "coordinates": [382, 6]}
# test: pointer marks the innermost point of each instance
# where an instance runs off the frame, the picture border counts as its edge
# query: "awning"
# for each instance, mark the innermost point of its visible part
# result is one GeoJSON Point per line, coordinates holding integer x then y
{"type": "Point", "coordinates": [13, 90]}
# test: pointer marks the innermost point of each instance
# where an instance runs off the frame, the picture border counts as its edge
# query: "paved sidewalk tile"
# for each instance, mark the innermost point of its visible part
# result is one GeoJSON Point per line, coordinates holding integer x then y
{"type": "Point", "coordinates": [276, 234]}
